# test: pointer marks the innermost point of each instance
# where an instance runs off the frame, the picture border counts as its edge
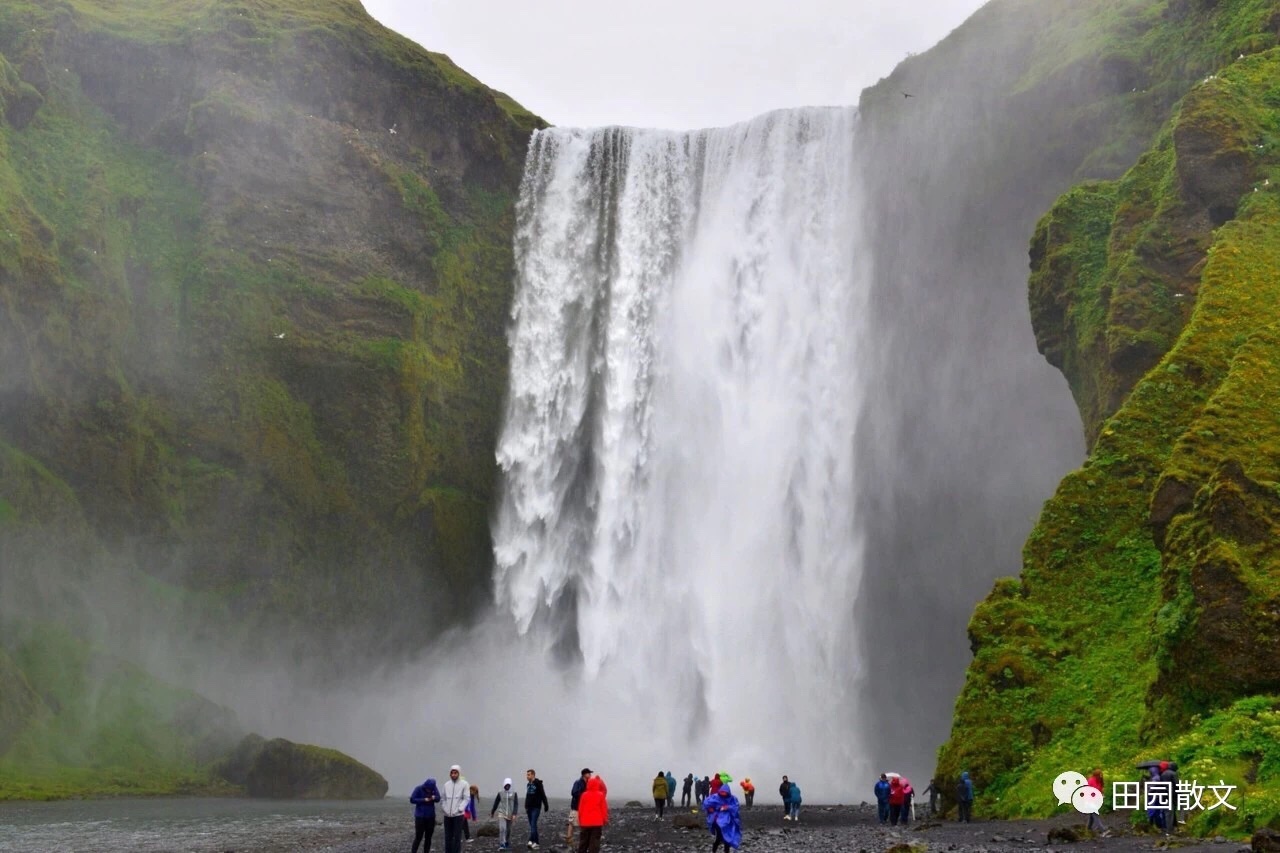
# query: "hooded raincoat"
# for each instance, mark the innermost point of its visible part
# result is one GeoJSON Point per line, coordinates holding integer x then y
{"type": "Point", "coordinates": [593, 807]}
{"type": "Point", "coordinates": [424, 799]}
{"type": "Point", "coordinates": [722, 811]}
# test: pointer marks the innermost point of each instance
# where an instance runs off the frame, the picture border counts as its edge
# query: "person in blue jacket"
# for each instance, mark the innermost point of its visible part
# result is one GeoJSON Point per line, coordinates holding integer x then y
{"type": "Point", "coordinates": [795, 802]}
{"type": "Point", "coordinates": [882, 798]}
{"type": "Point", "coordinates": [964, 798]}
{"type": "Point", "coordinates": [723, 820]}
{"type": "Point", "coordinates": [424, 799]}
{"type": "Point", "coordinates": [671, 790]}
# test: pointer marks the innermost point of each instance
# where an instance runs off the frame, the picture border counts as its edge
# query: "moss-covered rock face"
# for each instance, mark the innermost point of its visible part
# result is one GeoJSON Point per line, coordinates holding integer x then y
{"type": "Point", "coordinates": [255, 268]}
{"type": "Point", "coordinates": [1145, 623]}
{"type": "Point", "coordinates": [77, 720]}
{"type": "Point", "coordinates": [285, 770]}
{"type": "Point", "coordinates": [255, 263]}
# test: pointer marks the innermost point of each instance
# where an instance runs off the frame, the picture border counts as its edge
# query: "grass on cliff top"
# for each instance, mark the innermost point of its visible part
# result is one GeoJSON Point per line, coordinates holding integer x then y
{"type": "Point", "coordinates": [259, 29]}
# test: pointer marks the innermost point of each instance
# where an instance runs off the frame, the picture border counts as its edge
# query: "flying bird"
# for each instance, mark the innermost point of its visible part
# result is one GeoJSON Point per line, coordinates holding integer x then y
{"type": "Point", "coordinates": [907, 95]}
{"type": "Point", "coordinates": [280, 336]}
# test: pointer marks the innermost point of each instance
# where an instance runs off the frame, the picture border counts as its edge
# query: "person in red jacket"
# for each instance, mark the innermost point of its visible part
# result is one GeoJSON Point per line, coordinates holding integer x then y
{"type": "Point", "coordinates": [593, 814]}
{"type": "Point", "coordinates": [896, 798]}
{"type": "Point", "coordinates": [1095, 822]}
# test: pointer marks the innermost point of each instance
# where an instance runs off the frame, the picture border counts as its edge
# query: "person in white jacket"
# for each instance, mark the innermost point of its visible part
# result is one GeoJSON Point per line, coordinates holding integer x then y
{"type": "Point", "coordinates": [454, 796]}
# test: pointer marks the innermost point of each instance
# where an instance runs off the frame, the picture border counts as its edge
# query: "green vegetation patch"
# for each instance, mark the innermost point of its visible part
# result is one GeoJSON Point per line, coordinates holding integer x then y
{"type": "Point", "coordinates": [1143, 623]}
{"type": "Point", "coordinates": [102, 726]}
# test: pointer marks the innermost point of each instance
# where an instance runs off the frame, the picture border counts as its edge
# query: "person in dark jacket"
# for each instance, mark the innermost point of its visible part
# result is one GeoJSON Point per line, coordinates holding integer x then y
{"type": "Point", "coordinates": [934, 792]}
{"type": "Point", "coordinates": [964, 798]}
{"type": "Point", "coordinates": [575, 797]}
{"type": "Point", "coordinates": [882, 798]}
{"type": "Point", "coordinates": [1170, 775]}
{"type": "Point", "coordinates": [424, 799]}
{"type": "Point", "coordinates": [593, 814]}
{"type": "Point", "coordinates": [784, 790]}
{"type": "Point", "coordinates": [535, 803]}
{"type": "Point", "coordinates": [686, 792]}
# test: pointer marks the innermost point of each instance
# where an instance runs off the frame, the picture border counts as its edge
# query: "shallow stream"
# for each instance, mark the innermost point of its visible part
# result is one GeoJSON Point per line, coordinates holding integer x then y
{"type": "Point", "coordinates": [173, 824]}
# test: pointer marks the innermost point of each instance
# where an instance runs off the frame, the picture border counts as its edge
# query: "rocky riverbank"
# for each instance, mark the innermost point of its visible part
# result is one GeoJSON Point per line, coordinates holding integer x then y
{"type": "Point", "coordinates": [822, 828]}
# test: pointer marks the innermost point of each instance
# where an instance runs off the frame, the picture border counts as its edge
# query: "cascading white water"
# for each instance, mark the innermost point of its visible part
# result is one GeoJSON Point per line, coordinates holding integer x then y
{"type": "Point", "coordinates": [678, 453]}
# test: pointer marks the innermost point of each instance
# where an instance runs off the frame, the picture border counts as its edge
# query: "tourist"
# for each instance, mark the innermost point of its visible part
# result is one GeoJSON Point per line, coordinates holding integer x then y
{"type": "Point", "coordinates": [535, 803]}
{"type": "Point", "coordinates": [455, 798]}
{"type": "Point", "coordinates": [1095, 823]}
{"type": "Point", "coordinates": [1156, 817]}
{"type": "Point", "coordinates": [908, 794]}
{"type": "Point", "coordinates": [424, 799]}
{"type": "Point", "coordinates": [785, 791]}
{"type": "Point", "coordinates": [964, 798]}
{"type": "Point", "coordinates": [933, 791]}
{"type": "Point", "coordinates": [505, 807]}
{"type": "Point", "coordinates": [704, 789]}
{"type": "Point", "coordinates": [1169, 774]}
{"type": "Point", "coordinates": [795, 802]}
{"type": "Point", "coordinates": [748, 790]}
{"type": "Point", "coordinates": [575, 796]}
{"type": "Point", "coordinates": [671, 790]}
{"type": "Point", "coordinates": [882, 798]}
{"type": "Point", "coordinates": [473, 811]}
{"type": "Point", "coordinates": [686, 792]}
{"type": "Point", "coordinates": [895, 801]}
{"type": "Point", "coordinates": [659, 793]}
{"type": "Point", "coordinates": [723, 819]}
{"type": "Point", "coordinates": [593, 814]}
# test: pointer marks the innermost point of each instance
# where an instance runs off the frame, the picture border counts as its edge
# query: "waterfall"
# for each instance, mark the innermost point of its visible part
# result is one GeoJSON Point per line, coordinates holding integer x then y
{"type": "Point", "coordinates": [676, 516]}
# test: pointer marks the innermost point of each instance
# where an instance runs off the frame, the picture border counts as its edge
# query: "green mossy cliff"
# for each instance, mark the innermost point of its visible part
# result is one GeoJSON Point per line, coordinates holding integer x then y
{"type": "Point", "coordinates": [255, 270]}
{"type": "Point", "coordinates": [1146, 621]}
{"type": "Point", "coordinates": [255, 263]}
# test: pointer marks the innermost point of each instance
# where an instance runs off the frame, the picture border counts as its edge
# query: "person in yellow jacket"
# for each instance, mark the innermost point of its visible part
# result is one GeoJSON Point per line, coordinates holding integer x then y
{"type": "Point", "coordinates": [748, 790]}
{"type": "Point", "coordinates": [660, 792]}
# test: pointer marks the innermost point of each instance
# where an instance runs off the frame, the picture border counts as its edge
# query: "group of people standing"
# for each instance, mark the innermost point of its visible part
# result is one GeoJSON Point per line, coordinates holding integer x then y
{"type": "Point", "coordinates": [790, 793]}
{"type": "Point", "coordinates": [588, 810]}
{"type": "Point", "coordinates": [457, 801]}
{"type": "Point", "coordinates": [691, 788]}
{"type": "Point", "coordinates": [895, 796]}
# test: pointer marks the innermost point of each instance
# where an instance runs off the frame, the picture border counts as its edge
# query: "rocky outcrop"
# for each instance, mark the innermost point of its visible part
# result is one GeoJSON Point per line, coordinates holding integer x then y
{"type": "Point", "coordinates": [282, 770]}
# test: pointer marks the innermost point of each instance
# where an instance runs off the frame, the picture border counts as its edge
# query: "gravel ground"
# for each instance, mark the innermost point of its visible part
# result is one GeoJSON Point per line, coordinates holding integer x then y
{"type": "Point", "coordinates": [822, 828]}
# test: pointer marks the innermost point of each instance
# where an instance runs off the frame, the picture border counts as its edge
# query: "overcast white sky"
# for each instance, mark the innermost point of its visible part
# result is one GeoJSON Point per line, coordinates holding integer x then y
{"type": "Point", "coordinates": [674, 63]}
